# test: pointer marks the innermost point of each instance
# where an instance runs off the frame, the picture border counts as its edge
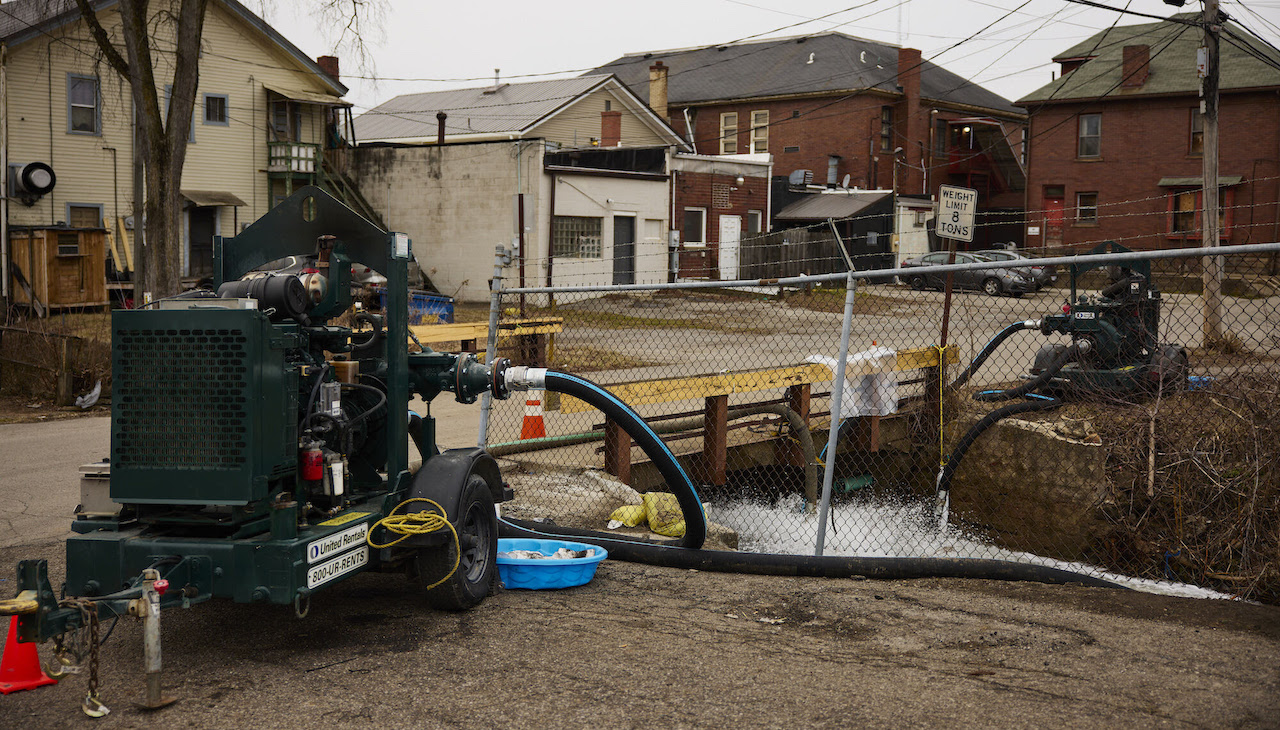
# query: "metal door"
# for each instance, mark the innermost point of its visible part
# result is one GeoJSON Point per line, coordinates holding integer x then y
{"type": "Point", "coordinates": [624, 249]}
{"type": "Point", "coordinates": [730, 237]}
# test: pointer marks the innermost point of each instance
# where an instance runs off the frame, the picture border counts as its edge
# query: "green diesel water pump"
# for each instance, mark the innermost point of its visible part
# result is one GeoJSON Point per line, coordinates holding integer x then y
{"type": "Point", "coordinates": [259, 450]}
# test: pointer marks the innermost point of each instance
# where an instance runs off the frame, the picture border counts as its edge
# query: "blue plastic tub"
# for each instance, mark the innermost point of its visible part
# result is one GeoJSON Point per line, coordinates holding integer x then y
{"type": "Point", "coordinates": [535, 574]}
{"type": "Point", "coordinates": [424, 308]}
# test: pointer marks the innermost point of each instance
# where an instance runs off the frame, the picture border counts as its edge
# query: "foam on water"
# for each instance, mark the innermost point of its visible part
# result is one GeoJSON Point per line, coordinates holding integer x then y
{"type": "Point", "coordinates": [888, 529]}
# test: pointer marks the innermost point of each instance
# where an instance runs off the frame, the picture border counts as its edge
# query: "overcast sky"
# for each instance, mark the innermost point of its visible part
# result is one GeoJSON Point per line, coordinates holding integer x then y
{"type": "Point", "coordinates": [1004, 45]}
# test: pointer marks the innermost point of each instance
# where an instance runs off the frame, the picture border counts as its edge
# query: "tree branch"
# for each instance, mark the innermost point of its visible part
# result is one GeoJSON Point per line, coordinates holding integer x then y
{"type": "Point", "coordinates": [100, 37]}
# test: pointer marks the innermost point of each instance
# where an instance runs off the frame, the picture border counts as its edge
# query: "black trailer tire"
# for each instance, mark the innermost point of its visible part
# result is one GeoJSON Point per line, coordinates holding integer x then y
{"type": "Point", "coordinates": [477, 573]}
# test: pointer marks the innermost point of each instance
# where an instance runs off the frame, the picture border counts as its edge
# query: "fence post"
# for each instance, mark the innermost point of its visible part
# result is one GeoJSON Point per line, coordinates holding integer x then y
{"type": "Point", "coordinates": [837, 399]}
{"type": "Point", "coordinates": [500, 257]}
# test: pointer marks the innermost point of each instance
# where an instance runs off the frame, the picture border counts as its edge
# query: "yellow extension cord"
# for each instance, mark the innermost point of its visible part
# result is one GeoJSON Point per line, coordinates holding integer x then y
{"type": "Point", "coordinates": [418, 523]}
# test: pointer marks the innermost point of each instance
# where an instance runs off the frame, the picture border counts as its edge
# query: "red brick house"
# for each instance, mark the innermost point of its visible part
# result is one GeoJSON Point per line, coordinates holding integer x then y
{"type": "Point", "coordinates": [1115, 142]}
{"type": "Point", "coordinates": [849, 111]}
{"type": "Point", "coordinates": [717, 204]}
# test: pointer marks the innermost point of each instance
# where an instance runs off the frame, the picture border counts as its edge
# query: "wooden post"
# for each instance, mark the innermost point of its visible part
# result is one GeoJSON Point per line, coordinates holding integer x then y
{"type": "Point", "coordinates": [617, 451]}
{"type": "Point", "coordinates": [715, 440]}
{"type": "Point", "coordinates": [798, 398]}
{"type": "Point", "coordinates": [64, 396]}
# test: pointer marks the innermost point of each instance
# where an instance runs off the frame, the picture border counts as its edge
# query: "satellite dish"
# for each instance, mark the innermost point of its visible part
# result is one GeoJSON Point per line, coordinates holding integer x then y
{"type": "Point", "coordinates": [845, 183]}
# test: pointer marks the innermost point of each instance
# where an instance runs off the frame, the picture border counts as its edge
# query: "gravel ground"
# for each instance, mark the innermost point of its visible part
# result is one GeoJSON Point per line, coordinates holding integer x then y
{"type": "Point", "coordinates": [643, 646]}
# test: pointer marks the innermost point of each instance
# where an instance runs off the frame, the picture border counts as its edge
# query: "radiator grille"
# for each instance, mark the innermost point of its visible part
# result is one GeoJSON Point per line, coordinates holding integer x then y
{"type": "Point", "coordinates": [183, 398]}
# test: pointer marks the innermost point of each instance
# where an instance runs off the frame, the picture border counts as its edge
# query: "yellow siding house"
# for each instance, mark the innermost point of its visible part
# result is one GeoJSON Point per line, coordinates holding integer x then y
{"type": "Point", "coordinates": [264, 115]}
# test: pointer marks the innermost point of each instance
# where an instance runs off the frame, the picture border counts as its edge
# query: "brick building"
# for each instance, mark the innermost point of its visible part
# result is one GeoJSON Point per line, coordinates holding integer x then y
{"type": "Point", "coordinates": [1115, 142]}
{"type": "Point", "coordinates": [717, 203]}
{"type": "Point", "coordinates": [847, 111]}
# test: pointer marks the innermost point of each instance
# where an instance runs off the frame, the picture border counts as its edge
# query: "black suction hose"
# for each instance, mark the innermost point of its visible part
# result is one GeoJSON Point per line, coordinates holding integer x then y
{"type": "Point", "coordinates": [695, 521]}
{"type": "Point", "coordinates": [1034, 402]}
{"type": "Point", "coordinates": [990, 347]}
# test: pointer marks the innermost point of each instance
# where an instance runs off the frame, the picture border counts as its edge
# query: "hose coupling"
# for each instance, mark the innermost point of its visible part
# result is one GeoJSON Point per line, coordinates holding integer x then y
{"type": "Point", "coordinates": [520, 377]}
{"type": "Point", "coordinates": [1031, 324]}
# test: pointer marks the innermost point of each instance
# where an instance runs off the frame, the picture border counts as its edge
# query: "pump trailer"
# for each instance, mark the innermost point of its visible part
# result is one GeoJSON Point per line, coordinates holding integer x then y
{"type": "Point", "coordinates": [259, 450]}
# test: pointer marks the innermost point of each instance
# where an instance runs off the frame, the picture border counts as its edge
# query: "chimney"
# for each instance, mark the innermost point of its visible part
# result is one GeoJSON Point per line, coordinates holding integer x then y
{"type": "Point", "coordinates": [658, 89]}
{"type": "Point", "coordinates": [610, 129]}
{"type": "Point", "coordinates": [1136, 68]}
{"type": "Point", "coordinates": [911, 120]}
{"type": "Point", "coordinates": [328, 64]}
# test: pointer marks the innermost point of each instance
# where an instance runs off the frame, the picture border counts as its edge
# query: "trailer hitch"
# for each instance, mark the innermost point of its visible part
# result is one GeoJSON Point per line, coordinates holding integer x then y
{"type": "Point", "coordinates": [41, 616]}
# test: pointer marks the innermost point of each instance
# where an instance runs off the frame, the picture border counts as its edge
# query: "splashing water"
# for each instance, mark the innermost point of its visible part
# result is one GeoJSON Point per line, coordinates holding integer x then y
{"type": "Point", "coordinates": [892, 529]}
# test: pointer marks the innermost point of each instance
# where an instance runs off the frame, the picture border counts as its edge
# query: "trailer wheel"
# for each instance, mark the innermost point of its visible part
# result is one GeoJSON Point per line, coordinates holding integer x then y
{"type": "Point", "coordinates": [477, 526]}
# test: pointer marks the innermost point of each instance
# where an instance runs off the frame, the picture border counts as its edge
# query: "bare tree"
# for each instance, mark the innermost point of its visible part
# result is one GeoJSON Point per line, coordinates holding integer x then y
{"type": "Point", "coordinates": [165, 129]}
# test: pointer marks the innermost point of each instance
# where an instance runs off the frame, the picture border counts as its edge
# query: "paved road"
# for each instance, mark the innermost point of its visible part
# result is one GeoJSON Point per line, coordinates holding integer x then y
{"type": "Point", "coordinates": [40, 482]}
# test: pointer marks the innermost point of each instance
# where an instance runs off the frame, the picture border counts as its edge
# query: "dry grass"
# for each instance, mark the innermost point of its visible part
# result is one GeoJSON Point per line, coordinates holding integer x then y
{"type": "Point", "coordinates": [1209, 514]}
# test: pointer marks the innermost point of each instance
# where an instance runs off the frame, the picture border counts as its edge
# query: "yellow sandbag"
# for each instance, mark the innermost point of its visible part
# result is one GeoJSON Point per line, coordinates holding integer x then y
{"type": "Point", "coordinates": [629, 515]}
{"type": "Point", "coordinates": [662, 509]}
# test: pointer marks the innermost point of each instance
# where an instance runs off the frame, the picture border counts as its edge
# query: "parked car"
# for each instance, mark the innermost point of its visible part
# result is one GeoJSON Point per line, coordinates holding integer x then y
{"type": "Point", "coordinates": [1042, 275]}
{"type": "Point", "coordinates": [992, 281]}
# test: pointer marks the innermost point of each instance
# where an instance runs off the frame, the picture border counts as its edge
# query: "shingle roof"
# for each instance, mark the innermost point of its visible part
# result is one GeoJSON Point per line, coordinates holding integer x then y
{"type": "Point", "coordinates": [21, 16]}
{"type": "Point", "coordinates": [830, 205]}
{"type": "Point", "coordinates": [510, 109]}
{"type": "Point", "coordinates": [824, 63]}
{"type": "Point", "coordinates": [1172, 65]}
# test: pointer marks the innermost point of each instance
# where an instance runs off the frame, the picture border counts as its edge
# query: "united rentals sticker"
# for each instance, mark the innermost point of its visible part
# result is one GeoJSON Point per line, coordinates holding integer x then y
{"type": "Point", "coordinates": [339, 566]}
{"type": "Point", "coordinates": [337, 542]}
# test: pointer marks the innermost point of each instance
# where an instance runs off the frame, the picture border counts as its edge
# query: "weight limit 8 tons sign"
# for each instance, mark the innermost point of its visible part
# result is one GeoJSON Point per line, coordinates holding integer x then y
{"type": "Point", "coordinates": [955, 212]}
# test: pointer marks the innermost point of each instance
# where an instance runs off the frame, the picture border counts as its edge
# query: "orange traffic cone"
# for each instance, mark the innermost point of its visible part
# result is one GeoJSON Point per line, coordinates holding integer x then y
{"type": "Point", "coordinates": [20, 664]}
{"type": "Point", "coordinates": [533, 427]}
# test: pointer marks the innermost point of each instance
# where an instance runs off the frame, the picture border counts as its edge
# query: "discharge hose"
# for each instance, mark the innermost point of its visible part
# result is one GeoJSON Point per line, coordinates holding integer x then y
{"type": "Point", "coordinates": [667, 554]}
{"type": "Point", "coordinates": [695, 520]}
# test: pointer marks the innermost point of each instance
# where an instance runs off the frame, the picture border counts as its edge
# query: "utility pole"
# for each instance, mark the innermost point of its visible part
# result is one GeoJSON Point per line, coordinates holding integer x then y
{"type": "Point", "coordinates": [1212, 265]}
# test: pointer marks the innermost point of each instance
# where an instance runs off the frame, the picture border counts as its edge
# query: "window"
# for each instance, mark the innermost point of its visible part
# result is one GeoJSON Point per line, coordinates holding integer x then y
{"type": "Point", "coordinates": [286, 121]}
{"type": "Point", "coordinates": [68, 244]}
{"type": "Point", "coordinates": [83, 116]}
{"type": "Point", "coordinates": [1087, 209]}
{"type": "Point", "coordinates": [729, 133]}
{"type": "Point", "coordinates": [1185, 209]}
{"type": "Point", "coordinates": [1090, 140]}
{"type": "Point", "coordinates": [886, 128]}
{"type": "Point", "coordinates": [84, 215]}
{"type": "Point", "coordinates": [694, 230]}
{"type": "Point", "coordinates": [215, 109]}
{"type": "Point", "coordinates": [576, 237]}
{"type": "Point", "coordinates": [755, 222]}
{"type": "Point", "coordinates": [1196, 146]}
{"type": "Point", "coordinates": [759, 132]}
{"type": "Point", "coordinates": [1184, 212]}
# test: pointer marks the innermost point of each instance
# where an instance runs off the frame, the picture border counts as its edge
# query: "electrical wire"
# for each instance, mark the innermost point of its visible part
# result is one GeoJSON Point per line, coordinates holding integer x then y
{"type": "Point", "coordinates": [413, 524]}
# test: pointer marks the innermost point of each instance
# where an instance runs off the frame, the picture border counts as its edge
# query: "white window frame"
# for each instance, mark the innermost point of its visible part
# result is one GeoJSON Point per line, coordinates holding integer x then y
{"type": "Point", "coordinates": [729, 133]}
{"type": "Point", "coordinates": [702, 233]}
{"type": "Point", "coordinates": [97, 105]}
{"type": "Point", "coordinates": [760, 131]}
{"type": "Point", "coordinates": [1081, 137]}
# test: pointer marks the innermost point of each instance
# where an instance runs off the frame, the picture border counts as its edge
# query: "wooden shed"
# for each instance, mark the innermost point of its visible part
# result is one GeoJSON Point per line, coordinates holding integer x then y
{"type": "Point", "coordinates": [58, 267]}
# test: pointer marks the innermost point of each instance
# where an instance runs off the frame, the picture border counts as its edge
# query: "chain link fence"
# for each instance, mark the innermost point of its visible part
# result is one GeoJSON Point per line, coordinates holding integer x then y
{"type": "Point", "coordinates": [1152, 453]}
